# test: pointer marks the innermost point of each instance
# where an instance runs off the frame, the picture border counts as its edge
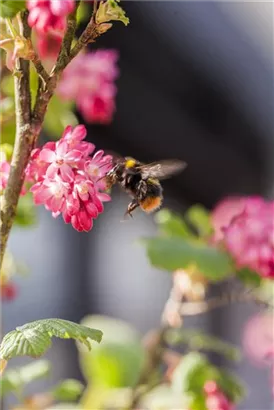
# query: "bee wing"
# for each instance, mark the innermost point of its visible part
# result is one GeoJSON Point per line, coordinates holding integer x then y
{"type": "Point", "coordinates": [162, 169]}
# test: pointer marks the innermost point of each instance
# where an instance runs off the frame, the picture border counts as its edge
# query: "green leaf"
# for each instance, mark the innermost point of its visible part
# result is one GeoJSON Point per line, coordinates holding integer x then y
{"type": "Point", "coordinates": [34, 339]}
{"type": "Point", "coordinates": [249, 277]}
{"type": "Point", "coordinates": [9, 8]}
{"type": "Point", "coordinates": [7, 149]}
{"type": "Point", "coordinates": [15, 379]}
{"type": "Point", "coordinates": [58, 116]}
{"type": "Point", "coordinates": [264, 293]}
{"type": "Point", "coordinates": [199, 217]}
{"type": "Point", "coordinates": [68, 390]}
{"type": "Point", "coordinates": [118, 361]}
{"type": "Point", "coordinates": [172, 225]}
{"type": "Point", "coordinates": [110, 10]}
{"type": "Point", "coordinates": [197, 340]}
{"type": "Point", "coordinates": [172, 253]}
{"type": "Point", "coordinates": [26, 212]}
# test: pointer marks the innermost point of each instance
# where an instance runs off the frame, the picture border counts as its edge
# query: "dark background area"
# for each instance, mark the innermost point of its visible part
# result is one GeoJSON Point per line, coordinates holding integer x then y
{"type": "Point", "coordinates": [196, 84]}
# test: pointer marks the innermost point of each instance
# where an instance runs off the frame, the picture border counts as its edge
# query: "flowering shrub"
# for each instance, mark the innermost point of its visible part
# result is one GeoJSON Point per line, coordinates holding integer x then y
{"type": "Point", "coordinates": [66, 175]}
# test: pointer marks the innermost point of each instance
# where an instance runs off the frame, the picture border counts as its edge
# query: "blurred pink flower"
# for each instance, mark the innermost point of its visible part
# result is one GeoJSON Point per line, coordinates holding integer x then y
{"type": "Point", "coordinates": [215, 398]}
{"type": "Point", "coordinates": [249, 236]}
{"type": "Point", "coordinates": [46, 15]}
{"type": "Point", "coordinates": [224, 212]}
{"type": "Point", "coordinates": [49, 44]}
{"type": "Point", "coordinates": [68, 181]}
{"type": "Point", "coordinates": [89, 81]}
{"type": "Point", "coordinates": [4, 174]}
{"type": "Point", "coordinates": [258, 338]}
{"type": "Point", "coordinates": [4, 171]}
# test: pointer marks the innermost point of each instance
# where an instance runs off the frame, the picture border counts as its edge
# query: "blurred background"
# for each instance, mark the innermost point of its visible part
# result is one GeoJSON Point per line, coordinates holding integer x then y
{"type": "Point", "coordinates": [196, 83]}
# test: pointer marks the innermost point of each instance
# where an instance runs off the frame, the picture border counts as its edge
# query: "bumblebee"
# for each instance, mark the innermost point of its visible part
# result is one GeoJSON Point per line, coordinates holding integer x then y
{"type": "Point", "coordinates": [142, 181]}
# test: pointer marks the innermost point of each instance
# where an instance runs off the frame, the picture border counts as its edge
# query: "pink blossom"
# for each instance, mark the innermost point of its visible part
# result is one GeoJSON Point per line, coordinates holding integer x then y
{"type": "Point", "coordinates": [4, 174]}
{"type": "Point", "coordinates": [46, 15]}
{"type": "Point", "coordinates": [68, 181]}
{"type": "Point", "coordinates": [258, 338]}
{"type": "Point", "coordinates": [224, 212]}
{"type": "Point", "coordinates": [4, 171]}
{"type": "Point", "coordinates": [249, 237]}
{"type": "Point", "coordinates": [215, 398]}
{"type": "Point", "coordinates": [89, 81]}
{"type": "Point", "coordinates": [49, 44]}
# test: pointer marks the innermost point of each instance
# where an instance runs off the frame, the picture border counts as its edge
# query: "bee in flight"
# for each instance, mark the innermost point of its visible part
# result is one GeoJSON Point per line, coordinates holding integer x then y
{"type": "Point", "coordinates": [142, 181]}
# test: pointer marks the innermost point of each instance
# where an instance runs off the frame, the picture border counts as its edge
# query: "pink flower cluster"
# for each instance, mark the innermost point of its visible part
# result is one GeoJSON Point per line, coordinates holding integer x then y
{"type": "Point", "coordinates": [68, 181]}
{"type": "Point", "coordinates": [89, 81]}
{"type": "Point", "coordinates": [247, 233]}
{"type": "Point", "coordinates": [215, 398]}
{"type": "Point", "coordinates": [47, 15]}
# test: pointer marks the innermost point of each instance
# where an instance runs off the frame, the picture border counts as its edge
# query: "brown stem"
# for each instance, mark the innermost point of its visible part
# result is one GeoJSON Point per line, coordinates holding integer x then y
{"type": "Point", "coordinates": [147, 379]}
{"type": "Point", "coordinates": [22, 147]}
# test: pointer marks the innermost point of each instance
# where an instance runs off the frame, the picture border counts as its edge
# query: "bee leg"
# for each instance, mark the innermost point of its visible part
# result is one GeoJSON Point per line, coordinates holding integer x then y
{"type": "Point", "coordinates": [133, 205]}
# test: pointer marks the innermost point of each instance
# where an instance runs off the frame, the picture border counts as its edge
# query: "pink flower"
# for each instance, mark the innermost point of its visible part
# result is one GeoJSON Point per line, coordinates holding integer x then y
{"type": "Point", "coordinates": [62, 158]}
{"type": "Point", "coordinates": [8, 291]}
{"type": "Point", "coordinates": [258, 338]}
{"type": "Point", "coordinates": [51, 193]}
{"type": "Point", "coordinates": [49, 44]}
{"type": "Point", "coordinates": [215, 398]}
{"type": "Point", "coordinates": [46, 15]}
{"type": "Point", "coordinates": [89, 81]}
{"type": "Point", "coordinates": [224, 212]}
{"type": "Point", "coordinates": [68, 181]}
{"type": "Point", "coordinates": [4, 171]}
{"type": "Point", "coordinates": [249, 237]}
{"type": "Point", "coordinates": [4, 174]}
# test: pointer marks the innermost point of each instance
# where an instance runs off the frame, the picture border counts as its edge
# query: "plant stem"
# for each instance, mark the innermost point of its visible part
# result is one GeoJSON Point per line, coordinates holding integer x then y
{"type": "Point", "coordinates": [22, 147]}
{"type": "Point", "coordinates": [147, 376]}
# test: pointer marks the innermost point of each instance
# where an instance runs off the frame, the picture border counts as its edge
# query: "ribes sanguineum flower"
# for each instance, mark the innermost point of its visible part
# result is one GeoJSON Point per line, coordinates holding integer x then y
{"type": "Point", "coordinates": [245, 226]}
{"type": "Point", "coordinates": [89, 81]}
{"type": "Point", "coordinates": [68, 180]}
{"type": "Point", "coordinates": [46, 15]}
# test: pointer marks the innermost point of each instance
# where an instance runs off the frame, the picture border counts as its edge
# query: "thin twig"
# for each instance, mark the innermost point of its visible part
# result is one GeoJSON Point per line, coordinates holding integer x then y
{"type": "Point", "coordinates": [89, 35]}
{"type": "Point", "coordinates": [41, 71]}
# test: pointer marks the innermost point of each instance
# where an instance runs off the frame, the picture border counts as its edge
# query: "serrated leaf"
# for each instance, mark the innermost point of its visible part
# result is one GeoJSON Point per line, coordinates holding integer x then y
{"type": "Point", "coordinates": [9, 8]}
{"type": "Point", "coordinates": [197, 340]}
{"type": "Point", "coordinates": [16, 378]}
{"type": "Point", "coordinates": [173, 253]}
{"type": "Point", "coordinates": [33, 339]}
{"type": "Point", "coordinates": [172, 225]}
{"type": "Point", "coordinates": [68, 390]}
{"type": "Point", "coordinates": [199, 217]}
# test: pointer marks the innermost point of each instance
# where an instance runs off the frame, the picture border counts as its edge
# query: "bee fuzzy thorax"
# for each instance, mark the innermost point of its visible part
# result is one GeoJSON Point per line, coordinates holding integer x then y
{"type": "Point", "coordinates": [130, 163]}
{"type": "Point", "coordinates": [151, 204]}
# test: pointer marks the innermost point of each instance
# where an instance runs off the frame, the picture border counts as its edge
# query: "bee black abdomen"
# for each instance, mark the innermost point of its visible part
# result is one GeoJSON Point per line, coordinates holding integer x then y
{"type": "Point", "coordinates": [150, 195]}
